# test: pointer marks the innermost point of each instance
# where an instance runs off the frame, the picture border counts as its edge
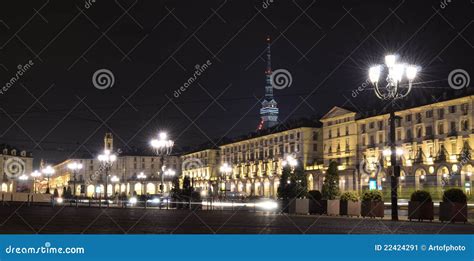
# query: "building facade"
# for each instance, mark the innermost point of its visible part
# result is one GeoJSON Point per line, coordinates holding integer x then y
{"type": "Point", "coordinates": [257, 162]}
{"type": "Point", "coordinates": [202, 167]}
{"type": "Point", "coordinates": [90, 180]}
{"type": "Point", "coordinates": [433, 142]}
{"type": "Point", "coordinates": [14, 164]}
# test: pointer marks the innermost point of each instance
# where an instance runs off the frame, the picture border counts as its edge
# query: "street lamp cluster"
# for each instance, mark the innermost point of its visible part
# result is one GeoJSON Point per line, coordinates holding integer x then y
{"type": "Point", "coordinates": [162, 146]}
{"type": "Point", "coordinates": [395, 88]}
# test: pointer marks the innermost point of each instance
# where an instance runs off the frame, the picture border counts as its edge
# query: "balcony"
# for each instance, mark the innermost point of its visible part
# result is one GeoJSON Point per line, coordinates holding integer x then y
{"type": "Point", "coordinates": [453, 133]}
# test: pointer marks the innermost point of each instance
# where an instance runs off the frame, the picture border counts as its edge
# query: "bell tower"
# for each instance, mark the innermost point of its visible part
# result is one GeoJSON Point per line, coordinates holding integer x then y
{"type": "Point", "coordinates": [108, 141]}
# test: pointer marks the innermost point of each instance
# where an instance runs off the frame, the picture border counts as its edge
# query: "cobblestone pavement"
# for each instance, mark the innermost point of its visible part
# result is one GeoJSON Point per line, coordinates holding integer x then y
{"type": "Point", "coordinates": [43, 219]}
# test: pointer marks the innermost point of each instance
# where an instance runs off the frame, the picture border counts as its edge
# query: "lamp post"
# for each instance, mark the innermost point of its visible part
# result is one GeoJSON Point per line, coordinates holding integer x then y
{"type": "Point", "coordinates": [142, 178]}
{"type": "Point", "coordinates": [225, 169]}
{"type": "Point", "coordinates": [48, 171]}
{"type": "Point", "coordinates": [168, 172]}
{"type": "Point", "coordinates": [114, 179]}
{"type": "Point", "coordinates": [162, 147]}
{"type": "Point", "coordinates": [35, 174]}
{"type": "Point", "coordinates": [106, 160]}
{"type": "Point", "coordinates": [74, 167]}
{"type": "Point", "coordinates": [393, 88]}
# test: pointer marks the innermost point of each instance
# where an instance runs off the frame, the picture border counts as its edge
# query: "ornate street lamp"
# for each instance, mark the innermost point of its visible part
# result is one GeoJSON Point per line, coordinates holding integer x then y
{"type": "Point", "coordinates": [106, 160]}
{"type": "Point", "coordinates": [48, 171]}
{"type": "Point", "coordinates": [74, 167]}
{"type": "Point", "coordinates": [226, 170]}
{"type": "Point", "coordinates": [162, 148]}
{"type": "Point", "coordinates": [397, 85]}
{"type": "Point", "coordinates": [290, 161]}
{"type": "Point", "coordinates": [35, 174]}
{"type": "Point", "coordinates": [142, 178]}
{"type": "Point", "coordinates": [114, 179]}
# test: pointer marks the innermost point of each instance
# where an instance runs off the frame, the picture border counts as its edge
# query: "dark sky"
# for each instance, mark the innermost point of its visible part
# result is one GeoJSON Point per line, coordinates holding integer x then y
{"type": "Point", "coordinates": [152, 48]}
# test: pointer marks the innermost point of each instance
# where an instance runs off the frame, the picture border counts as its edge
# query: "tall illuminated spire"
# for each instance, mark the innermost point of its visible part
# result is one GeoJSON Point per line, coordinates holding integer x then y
{"type": "Point", "coordinates": [269, 110]}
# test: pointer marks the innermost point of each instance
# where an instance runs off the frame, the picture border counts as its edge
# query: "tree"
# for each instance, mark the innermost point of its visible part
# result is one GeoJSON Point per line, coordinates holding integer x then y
{"type": "Point", "coordinates": [293, 184]}
{"type": "Point", "coordinates": [282, 191]}
{"type": "Point", "coordinates": [298, 182]}
{"type": "Point", "coordinates": [67, 193]}
{"type": "Point", "coordinates": [331, 182]}
{"type": "Point", "coordinates": [56, 193]}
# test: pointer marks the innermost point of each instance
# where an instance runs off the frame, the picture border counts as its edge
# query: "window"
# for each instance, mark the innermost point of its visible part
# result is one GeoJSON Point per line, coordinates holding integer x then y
{"type": "Point", "coordinates": [408, 118]}
{"type": "Point", "coordinates": [371, 125]}
{"type": "Point", "coordinates": [338, 132]}
{"type": "Point", "coordinates": [409, 134]}
{"type": "Point", "coordinates": [315, 135]}
{"type": "Point", "coordinates": [347, 130]}
{"type": "Point", "coordinates": [465, 108]}
{"type": "Point", "coordinates": [429, 130]}
{"type": "Point", "coordinates": [419, 132]}
{"type": "Point", "coordinates": [440, 128]}
{"type": "Point", "coordinates": [363, 141]}
{"type": "Point", "coordinates": [380, 137]}
{"type": "Point", "coordinates": [465, 125]}
{"type": "Point", "coordinates": [330, 134]}
{"type": "Point", "coordinates": [418, 118]}
{"type": "Point", "coordinates": [398, 122]}
{"type": "Point", "coordinates": [380, 125]}
{"type": "Point", "coordinates": [429, 114]}
{"type": "Point", "coordinates": [362, 128]}
{"type": "Point", "coordinates": [452, 109]}
{"type": "Point", "coordinates": [372, 140]}
{"type": "Point", "coordinates": [315, 147]}
{"type": "Point", "coordinates": [441, 113]}
{"type": "Point", "coordinates": [399, 135]}
{"type": "Point", "coordinates": [453, 126]}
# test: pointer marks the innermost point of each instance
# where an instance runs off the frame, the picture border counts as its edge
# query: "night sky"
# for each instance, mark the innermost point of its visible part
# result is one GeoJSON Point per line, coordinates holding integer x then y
{"type": "Point", "coordinates": [153, 47]}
